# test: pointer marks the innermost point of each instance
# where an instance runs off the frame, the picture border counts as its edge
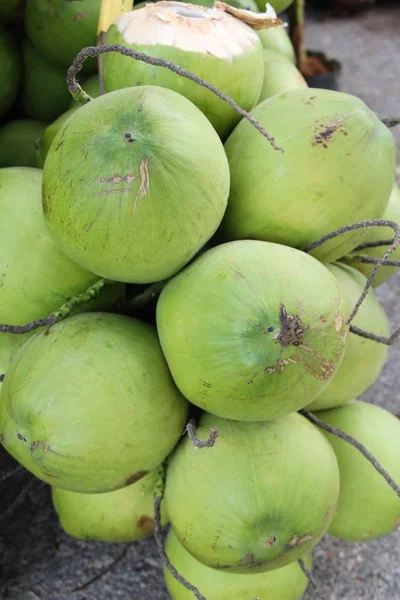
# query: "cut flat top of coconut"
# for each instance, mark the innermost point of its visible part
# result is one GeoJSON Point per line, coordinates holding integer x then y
{"type": "Point", "coordinates": [189, 27]}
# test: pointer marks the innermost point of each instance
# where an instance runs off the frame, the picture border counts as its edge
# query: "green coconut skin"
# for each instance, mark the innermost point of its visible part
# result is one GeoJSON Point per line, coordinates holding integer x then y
{"type": "Point", "coordinates": [18, 142]}
{"type": "Point", "coordinates": [89, 406]}
{"type": "Point", "coordinates": [339, 164]}
{"type": "Point", "coordinates": [60, 29]}
{"type": "Point", "coordinates": [277, 39]}
{"type": "Point", "coordinates": [235, 359]}
{"type": "Point", "coordinates": [240, 77]}
{"type": "Point", "coordinates": [287, 583]}
{"type": "Point", "coordinates": [368, 508]}
{"type": "Point", "coordinates": [45, 93]}
{"type": "Point", "coordinates": [36, 278]}
{"type": "Point", "coordinates": [280, 76]}
{"type": "Point", "coordinates": [392, 213]}
{"type": "Point", "coordinates": [125, 515]}
{"type": "Point", "coordinates": [364, 359]}
{"type": "Point", "coordinates": [278, 5]}
{"type": "Point", "coordinates": [48, 136]}
{"type": "Point", "coordinates": [260, 499]}
{"type": "Point", "coordinates": [123, 196]}
{"type": "Point", "coordinates": [10, 70]}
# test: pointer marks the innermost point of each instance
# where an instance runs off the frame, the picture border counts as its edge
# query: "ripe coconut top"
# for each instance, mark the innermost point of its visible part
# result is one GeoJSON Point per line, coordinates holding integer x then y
{"type": "Point", "coordinates": [124, 515]}
{"type": "Point", "coordinates": [368, 508]}
{"type": "Point", "coordinates": [259, 499]}
{"type": "Point", "coordinates": [134, 184]}
{"type": "Point", "coordinates": [338, 168]}
{"type": "Point", "coordinates": [377, 234]}
{"type": "Point", "coordinates": [363, 359]}
{"type": "Point", "coordinates": [286, 583]}
{"type": "Point", "coordinates": [252, 330]}
{"type": "Point", "coordinates": [209, 42]}
{"type": "Point", "coordinates": [89, 405]}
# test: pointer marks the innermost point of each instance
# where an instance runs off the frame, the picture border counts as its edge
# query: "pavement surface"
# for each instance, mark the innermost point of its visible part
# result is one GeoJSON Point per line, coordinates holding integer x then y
{"type": "Point", "coordinates": [39, 562]}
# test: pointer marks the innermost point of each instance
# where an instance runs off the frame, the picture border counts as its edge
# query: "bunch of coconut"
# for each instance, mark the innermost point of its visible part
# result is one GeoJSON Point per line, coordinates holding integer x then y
{"type": "Point", "coordinates": [165, 187]}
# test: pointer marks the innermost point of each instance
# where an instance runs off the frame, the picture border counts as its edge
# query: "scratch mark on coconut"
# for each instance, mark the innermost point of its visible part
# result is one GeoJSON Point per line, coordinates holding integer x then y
{"type": "Point", "coordinates": [147, 524]}
{"type": "Point", "coordinates": [297, 542]}
{"type": "Point", "coordinates": [117, 179]}
{"type": "Point", "coordinates": [144, 176]}
{"type": "Point", "coordinates": [135, 477]}
{"type": "Point", "coordinates": [47, 448]}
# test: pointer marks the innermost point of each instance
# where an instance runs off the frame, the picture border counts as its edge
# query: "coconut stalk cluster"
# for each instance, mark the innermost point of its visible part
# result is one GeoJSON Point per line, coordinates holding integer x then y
{"type": "Point", "coordinates": [188, 316]}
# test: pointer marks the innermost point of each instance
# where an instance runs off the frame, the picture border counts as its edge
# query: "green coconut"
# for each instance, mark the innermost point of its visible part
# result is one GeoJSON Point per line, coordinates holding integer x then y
{"type": "Point", "coordinates": [125, 515]}
{"type": "Point", "coordinates": [36, 278]}
{"type": "Point", "coordinates": [10, 74]}
{"type": "Point", "coordinates": [89, 405]}
{"type": "Point", "coordinates": [258, 500]}
{"type": "Point", "coordinates": [252, 330]}
{"type": "Point", "coordinates": [287, 583]}
{"type": "Point", "coordinates": [60, 29]}
{"type": "Point", "coordinates": [280, 75]}
{"type": "Point", "coordinates": [376, 234]}
{"type": "Point", "coordinates": [45, 93]}
{"type": "Point", "coordinates": [18, 142]}
{"type": "Point", "coordinates": [141, 203]}
{"type": "Point", "coordinates": [337, 169]}
{"type": "Point", "coordinates": [277, 39]}
{"type": "Point", "coordinates": [363, 359]}
{"type": "Point", "coordinates": [44, 143]}
{"type": "Point", "coordinates": [368, 508]}
{"type": "Point", "coordinates": [206, 41]}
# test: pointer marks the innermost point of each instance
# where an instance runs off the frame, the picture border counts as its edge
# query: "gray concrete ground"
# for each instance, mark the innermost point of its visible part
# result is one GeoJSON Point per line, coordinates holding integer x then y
{"type": "Point", "coordinates": [38, 561]}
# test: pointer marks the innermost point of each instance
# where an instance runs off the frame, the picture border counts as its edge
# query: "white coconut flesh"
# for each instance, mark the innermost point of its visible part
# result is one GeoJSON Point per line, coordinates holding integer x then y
{"type": "Point", "coordinates": [192, 28]}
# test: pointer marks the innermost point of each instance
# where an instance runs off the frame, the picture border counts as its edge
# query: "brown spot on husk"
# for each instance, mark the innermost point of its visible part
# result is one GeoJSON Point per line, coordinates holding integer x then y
{"type": "Point", "coordinates": [270, 541]}
{"type": "Point", "coordinates": [324, 133]}
{"type": "Point", "coordinates": [147, 524]}
{"type": "Point", "coordinates": [144, 176]}
{"type": "Point", "coordinates": [118, 179]}
{"type": "Point", "coordinates": [291, 328]}
{"type": "Point", "coordinates": [135, 477]}
{"type": "Point", "coordinates": [297, 542]}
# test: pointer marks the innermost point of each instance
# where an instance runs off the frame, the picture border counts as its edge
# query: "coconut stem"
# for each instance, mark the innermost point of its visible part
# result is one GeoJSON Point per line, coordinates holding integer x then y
{"type": "Point", "coordinates": [100, 41]}
{"type": "Point", "coordinates": [104, 571]}
{"type": "Point", "coordinates": [376, 244]}
{"type": "Point", "coordinates": [362, 225]}
{"type": "Point", "coordinates": [391, 121]}
{"type": "Point", "coordinates": [192, 434]}
{"type": "Point", "coordinates": [372, 260]}
{"type": "Point", "coordinates": [388, 341]}
{"type": "Point", "coordinates": [158, 498]}
{"type": "Point", "coordinates": [95, 51]}
{"type": "Point", "coordinates": [64, 311]}
{"type": "Point", "coordinates": [149, 294]}
{"type": "Point", "coordinates": [350, 440]}
{"type": "Point", "coordinates": [308, 574]}
{"type": "Point", "coordinates": [296, 31]}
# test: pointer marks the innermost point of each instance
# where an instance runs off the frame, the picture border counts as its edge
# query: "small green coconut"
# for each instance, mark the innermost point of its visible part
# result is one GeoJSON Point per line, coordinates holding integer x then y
{"type": "Point", "coordinates": [376, 234]}
{"type": "Point", "coordinates": [337, 168]}
{"type": "Point", "coordinates": [18, 142]}
{"type": "Point", "coordinates": [36, 278]}
{"type": "Point", "coordinates": [368, 507]}
{"type": "Point", "coordinates": [287, 583]}
{"type": "Point", "coordinates": [252, 330]}
{"type": "Point", "coordinates": [277, 39]}
{"type": "Point", "coordinates": [45, 93]}
{"type": "Point", "coordinates": [142, 203]}
{"type": "Point", "coordinates": [206, 41]}
{"type": "Point", "coordinates": [280, 75]}
{"type": "Point", "coordinates": [60, 29]}
{"type": "Point", "coordinates": [10, 74]}
{"type": "Point", "coordinates": [259, 499]}
{"type": "Point", "coordinates": [89, 405]}
{"type": "Point", "coordinates": [125, 515]}
{"type": "Point", "coordinates": [364, 359]}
